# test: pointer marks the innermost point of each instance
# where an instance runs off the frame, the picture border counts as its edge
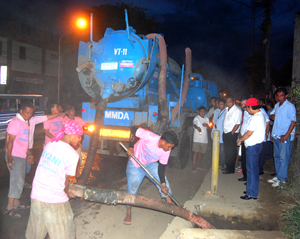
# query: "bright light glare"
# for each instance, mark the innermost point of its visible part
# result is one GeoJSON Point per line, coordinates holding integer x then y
{"type": "Point", "coordinates": [81, 23]}
{"type": "Point", "coordinates": [115, 133]}
{"type": "Point", "coordinates": [91, 128]}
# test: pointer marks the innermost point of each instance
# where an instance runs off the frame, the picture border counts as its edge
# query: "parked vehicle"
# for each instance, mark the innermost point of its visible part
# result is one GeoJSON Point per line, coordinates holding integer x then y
{"type": "Point", "coordinates": [125, 70]}
{"type": "Point", "coordinates": [9, 107]}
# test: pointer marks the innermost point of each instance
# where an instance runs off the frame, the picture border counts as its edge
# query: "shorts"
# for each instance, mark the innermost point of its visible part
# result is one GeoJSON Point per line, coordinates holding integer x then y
{"type": "Point", "coordinates": [199, 147]}
{"type": "Point", "coordinates": [55, 218]}
{"type": "Point", "coordinates": [17, 177]}
{"type": "Point", "coordinates": [135, 177]}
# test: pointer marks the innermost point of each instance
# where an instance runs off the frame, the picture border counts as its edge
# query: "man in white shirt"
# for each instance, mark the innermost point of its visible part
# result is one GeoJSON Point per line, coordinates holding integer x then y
{"type": "Point", "coordinates": [231, 127]}
{"type": "Point", "coordinates": [200, 139]}
{"type": "Point", "coordinates": [214, 107]}
{"type": "Point", "coordinates": [244, 125]}
{"type": "Point", "coordinates": [253, 139]}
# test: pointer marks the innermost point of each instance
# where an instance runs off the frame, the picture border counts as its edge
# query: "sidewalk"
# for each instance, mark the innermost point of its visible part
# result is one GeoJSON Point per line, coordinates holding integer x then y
{"type": "Point", "coordinates": [227, 211]}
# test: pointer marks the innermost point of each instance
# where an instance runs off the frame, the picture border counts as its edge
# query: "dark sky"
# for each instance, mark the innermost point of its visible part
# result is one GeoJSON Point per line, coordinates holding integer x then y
{"type": "Point", "coordinates": [219, 32]}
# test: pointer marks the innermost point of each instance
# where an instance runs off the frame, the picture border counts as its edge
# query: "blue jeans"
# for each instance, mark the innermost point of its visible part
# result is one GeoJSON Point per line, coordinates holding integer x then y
{"type": "Point", "coordinates": [263, 156]}
{"type": "Point", "coordinates": [282, 156]}
{"type": "Point", "coordinates": [135, 177]}
{"type": "Point", "coordinates": [252, 161]}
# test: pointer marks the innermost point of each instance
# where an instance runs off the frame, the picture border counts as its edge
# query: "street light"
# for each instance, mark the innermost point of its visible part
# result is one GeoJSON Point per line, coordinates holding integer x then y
{"type": "Point", "coordinates": [80, 23]}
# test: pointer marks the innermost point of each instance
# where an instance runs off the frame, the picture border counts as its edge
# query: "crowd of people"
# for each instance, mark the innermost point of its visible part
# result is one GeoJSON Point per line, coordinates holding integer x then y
{"type": "Point", "coordinates": [249, 129]}
{"type": "Point", "coordinates": [50, 210]}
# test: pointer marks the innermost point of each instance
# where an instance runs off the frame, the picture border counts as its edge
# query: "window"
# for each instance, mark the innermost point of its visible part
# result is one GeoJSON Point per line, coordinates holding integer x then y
{"type": "Point", "coordinates": [22, 54]}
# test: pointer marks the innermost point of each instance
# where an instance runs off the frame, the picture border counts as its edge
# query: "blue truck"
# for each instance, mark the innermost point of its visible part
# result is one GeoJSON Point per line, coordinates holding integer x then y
{"type": "Point", "coordinates": [127, 71]}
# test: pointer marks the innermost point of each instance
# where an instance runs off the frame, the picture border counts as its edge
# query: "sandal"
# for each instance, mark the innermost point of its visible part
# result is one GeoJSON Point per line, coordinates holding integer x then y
{"type": "Point", "coordinates": [127, 222]}
{"type": "Point", "coordinates": [27, 185]}
{"type": "Point", "coordinates": [12, 213]}
{"type": "Point", "coordinates": [20, 206]}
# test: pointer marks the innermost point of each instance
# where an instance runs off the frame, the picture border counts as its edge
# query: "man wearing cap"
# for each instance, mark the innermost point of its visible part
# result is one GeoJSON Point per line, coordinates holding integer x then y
{"type": "Point", "coordinates": [253, 139]}
{"type": "Point", "coordinates": [50, 208]}
{"type": "Point", "coordinates": [284, 116]}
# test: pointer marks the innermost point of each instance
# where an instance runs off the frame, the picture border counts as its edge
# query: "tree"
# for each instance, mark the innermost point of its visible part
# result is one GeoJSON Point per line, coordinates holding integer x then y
{"type": "Point", "coordinates": [113, 16]}
{"type": "Point", "coordinates": [255, 71]}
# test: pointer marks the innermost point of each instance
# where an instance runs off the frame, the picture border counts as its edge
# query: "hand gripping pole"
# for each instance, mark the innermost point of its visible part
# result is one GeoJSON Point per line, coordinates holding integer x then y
{"type": "Point", "coordinates": [151, 176]}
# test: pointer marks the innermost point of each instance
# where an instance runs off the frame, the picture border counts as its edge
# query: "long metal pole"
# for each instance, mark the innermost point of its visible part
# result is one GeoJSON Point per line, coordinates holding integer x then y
{"type": "Point", "coordinates": [151, 176]}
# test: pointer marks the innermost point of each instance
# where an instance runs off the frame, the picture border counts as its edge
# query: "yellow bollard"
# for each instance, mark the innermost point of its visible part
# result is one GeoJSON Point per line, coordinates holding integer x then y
{"type": "Point", "coordinates": [215, 162]}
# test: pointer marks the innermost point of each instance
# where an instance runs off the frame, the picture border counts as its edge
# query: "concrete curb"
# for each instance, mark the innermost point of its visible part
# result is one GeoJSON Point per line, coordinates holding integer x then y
{"type": "Point", "coordinates": [226, 204]}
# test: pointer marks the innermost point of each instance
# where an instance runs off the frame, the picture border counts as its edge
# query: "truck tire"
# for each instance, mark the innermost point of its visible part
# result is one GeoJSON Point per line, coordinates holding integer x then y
{"type": "Point", "coordinates": [184, 152]}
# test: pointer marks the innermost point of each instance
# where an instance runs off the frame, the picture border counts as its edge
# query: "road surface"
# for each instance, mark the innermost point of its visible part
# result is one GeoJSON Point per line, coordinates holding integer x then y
{"type": "Point", "coordinates": [95, 220]}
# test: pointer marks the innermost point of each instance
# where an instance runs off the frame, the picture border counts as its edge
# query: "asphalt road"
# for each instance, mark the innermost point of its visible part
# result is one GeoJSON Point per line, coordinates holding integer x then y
{"type": "Point", "coordinates": [95, 220]}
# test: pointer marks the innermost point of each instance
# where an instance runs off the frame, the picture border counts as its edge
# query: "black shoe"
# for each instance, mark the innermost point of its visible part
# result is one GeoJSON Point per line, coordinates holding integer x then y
{"type": "Point", "coordinates": [245, 192]}
{"type": "Point", "coordinates": [274, 174]}
{"type": "Point", "coordinates": [223, 167]}
{"type": "Point", "coordinates": [226, 172]}
{"type": "Point", "coordinates": [246, 197]}
{"type": "Point", "coordinates": [242, 179]}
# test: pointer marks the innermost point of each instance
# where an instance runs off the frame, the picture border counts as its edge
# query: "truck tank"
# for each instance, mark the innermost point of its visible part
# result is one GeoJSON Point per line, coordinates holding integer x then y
{"type": "Point", "coordinates": [123, 69]}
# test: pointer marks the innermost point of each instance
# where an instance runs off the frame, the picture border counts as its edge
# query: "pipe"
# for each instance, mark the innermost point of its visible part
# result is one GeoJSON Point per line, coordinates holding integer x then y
{"type": "Point", "coordinates": [162, 74]}
{"type": "Point", "coordinates": [118, 197]}
{"type": "Point", "coordinates": [185, 88]}
{"type": "Point", "coordinates": [100, 108]}
{"type": "Point", "coordinates": [215, 162]}
{"type": "Point", "coordinates": [91, 29]}
{"type": "Point", "coordinates": [151, 176]}
{"type": "Point", "coordinates": [85, 65]}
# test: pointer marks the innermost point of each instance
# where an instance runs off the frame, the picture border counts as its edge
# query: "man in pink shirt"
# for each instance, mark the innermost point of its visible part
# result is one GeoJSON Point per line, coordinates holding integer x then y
{"type": "Point", "coordinates": [16, 151]}
{"type": "Point", "coordinates": [70, 114]}
{"type": "Point", "coordinates": [153, 152]}
{"type": "Point", "coordinates": [53, 126]}
{"type": "Point", "coordinates": [50, 208]}
{"type": "Point", "coordinates": [32, 123]}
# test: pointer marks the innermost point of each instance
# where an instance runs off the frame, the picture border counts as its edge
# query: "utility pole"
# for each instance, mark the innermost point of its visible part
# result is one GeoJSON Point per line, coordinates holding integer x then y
{"type": "Point", "coordinates": [296, 52]}
{"type": "Point", "coordinates": [267, 41]}
{"type": "Point", "coordinates": [296, 75]}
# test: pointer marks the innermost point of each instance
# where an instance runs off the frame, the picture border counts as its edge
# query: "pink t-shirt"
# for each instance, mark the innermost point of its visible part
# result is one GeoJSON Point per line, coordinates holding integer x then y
{"type": "Point", "coordinates": [34, 120]}
{"type": "Point", "coordinates": [147, 150]}
{"type": "Point", "coordinates": [58, 160]}
{"type": "Point", "coordinates": [19, 128]}
{"type": "Point", "coordinates": [77, 119]}
{"type": "Point", "coordinates": [54, 125]}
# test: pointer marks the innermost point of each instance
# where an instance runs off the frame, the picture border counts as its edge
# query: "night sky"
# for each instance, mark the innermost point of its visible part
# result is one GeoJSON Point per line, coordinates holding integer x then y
{"type": "Point", "coordinates": [219, 33]}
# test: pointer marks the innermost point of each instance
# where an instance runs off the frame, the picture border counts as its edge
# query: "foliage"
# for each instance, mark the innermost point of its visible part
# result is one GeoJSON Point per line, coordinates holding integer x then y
{"type": "Point", "coordinates": [293, 188]}
{"type": "Point", "coordinates": [113, 16]}
{"type": "Point", "coordinates": [292, 217]}
{"type": "Point", "coordinates": [255, 71]}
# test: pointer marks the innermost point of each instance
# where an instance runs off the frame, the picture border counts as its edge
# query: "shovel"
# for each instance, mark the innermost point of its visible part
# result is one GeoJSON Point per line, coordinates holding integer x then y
{"type": "Point", "coordinates": [151, 176]}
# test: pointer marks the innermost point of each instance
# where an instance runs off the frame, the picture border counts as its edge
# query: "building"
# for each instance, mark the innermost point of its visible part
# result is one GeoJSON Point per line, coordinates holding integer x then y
{"type": "Point", "coordinates": [31, 57]}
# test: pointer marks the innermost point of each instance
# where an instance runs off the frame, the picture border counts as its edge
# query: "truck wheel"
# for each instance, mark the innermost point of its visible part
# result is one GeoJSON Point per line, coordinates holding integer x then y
{"type": "Point", "coordinates": [184, 152]}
